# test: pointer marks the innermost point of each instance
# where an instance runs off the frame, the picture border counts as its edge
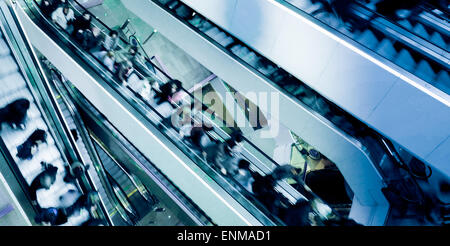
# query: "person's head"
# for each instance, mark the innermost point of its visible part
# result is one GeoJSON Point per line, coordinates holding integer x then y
{"type": "Point", "coordinates": [49, 176]}
{"type": "Point", "coordinates": [87, 16]}
{"type": "Point", "coordinates": [132, 50]}
{"type": "Point", "coordinates": [237, 137]}
{"type": "Point", "coordinates": [127, 65]}
{"type": "Point", "coordinates": [66, 10]}
{"type": "Point", "coordinates": [110, 54]}
{"type": "Point", "coordinates": [176, 85]}
{"type": "Point", "coordinates": [95, 31]}
{"type": "Point", "coordinates": [243, 166]}
{"type": "Point", "coordinates": [113, 34]}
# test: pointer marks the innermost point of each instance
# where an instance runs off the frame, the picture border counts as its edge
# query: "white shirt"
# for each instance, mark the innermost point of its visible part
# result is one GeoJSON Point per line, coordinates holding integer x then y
{"type": "Point", "coordinates": [61, 19]}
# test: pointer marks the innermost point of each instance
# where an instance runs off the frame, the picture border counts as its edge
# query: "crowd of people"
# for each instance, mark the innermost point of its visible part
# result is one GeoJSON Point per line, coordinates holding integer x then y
{"type": "Point", "coordinates": [15, 115]}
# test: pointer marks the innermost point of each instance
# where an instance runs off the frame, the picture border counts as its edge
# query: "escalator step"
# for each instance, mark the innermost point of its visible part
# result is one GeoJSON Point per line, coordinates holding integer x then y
{"type": "Point", "coordinates": [424, 71]}
{"type": "Point", "coordinates": [420, 30]}
{"type": "Point", "coordinates": [368, 39]}
{"type": "Point", "coordinates": [386, 49]}
{"type": "Point", "coordinates": [405, 60]}
{"type": "Point", "coordinates": [437, 39]}
{"type": "Point", "coordinates": [4, 49]}
{"type": "Point", "coordinates": [406, 24]}
{"type": "Point", "coordinates": [8, 66]}
{"type": "Point", "coordinates": [443, 81]}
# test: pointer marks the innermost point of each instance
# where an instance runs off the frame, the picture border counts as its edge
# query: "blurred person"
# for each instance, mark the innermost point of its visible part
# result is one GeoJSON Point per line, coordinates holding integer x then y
{"type": "Point", "coordinates": [86, 201]}
{"type": "Point", "coordinates": [298, 214]}
{"type": "Point", "coordinates": [244, 175]}
{"type": "Point", "coordinates": [163, 100]}
{"type": "Point", "coordinates": [62, 16]}
{"type": "Point", "coordinates": [92, 39]}
{"type": "Point", "coordinates": [217, 154]}
{"type": "Point", "coordinates": [263, 188]}
{"type": "Point", "coordinates": [52, 216]}
{"type": "Point", "coordinates": [43, 180]}
{"type": "Point", "coordinates": [81, 23]}
{"type": "Point", "coordinates": [198, 135]}
{"type": "Point", "coordinates": [47, 7]}
{"type": "Point", "coordinates": [124, 71]}
{"type": "Point", "coordinates": [285, 172]}
{"type": "Point", "coordinates": [167, 91]}
{"type": "Point", "coordinates": [111, 41]}
{"type": "Point", "coordinates": [107, 58]}
{"type": "Point", "coordinates": [74, 172]}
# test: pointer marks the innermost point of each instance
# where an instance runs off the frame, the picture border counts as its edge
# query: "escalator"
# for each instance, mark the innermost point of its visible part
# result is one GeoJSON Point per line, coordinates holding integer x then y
{"type": "Point", "coordinates": [21, 79]}
{"type": "Point", "coordinates": [137, 120]}
{"type": "Point", "coordinates": [407, 45]}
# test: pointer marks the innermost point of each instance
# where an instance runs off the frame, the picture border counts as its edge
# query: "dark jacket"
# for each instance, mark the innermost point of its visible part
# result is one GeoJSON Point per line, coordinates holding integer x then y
{"type": "Point", "coordinates": [54, 216]}
{"type": "Point", "coordinates": [37, 183]}
{"type": "Point", "coordinates": [80, 23]}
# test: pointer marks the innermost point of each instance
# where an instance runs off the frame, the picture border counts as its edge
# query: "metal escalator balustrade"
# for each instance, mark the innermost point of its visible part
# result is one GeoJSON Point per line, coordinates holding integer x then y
{"type": "Point", "coordinates": [38, 117]}
{"type": "Point", "coordinates": [150, 106]}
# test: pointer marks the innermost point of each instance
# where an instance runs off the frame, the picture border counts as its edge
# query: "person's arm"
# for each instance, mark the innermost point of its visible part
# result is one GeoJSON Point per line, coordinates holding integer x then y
{"type": "Point", "coordinates": [55, 15]}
